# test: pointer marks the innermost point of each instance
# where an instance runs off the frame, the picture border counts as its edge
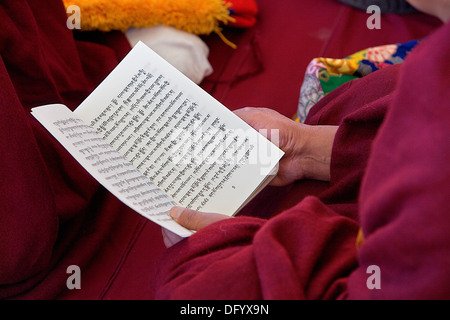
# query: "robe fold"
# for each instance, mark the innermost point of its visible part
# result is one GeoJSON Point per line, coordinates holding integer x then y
{"type": "Point", "coordinates": [390, 175]}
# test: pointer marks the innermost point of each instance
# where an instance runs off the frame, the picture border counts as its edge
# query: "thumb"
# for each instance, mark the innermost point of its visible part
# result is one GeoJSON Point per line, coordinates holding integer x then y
{"type": "Point", "coordinates": [194, 220]}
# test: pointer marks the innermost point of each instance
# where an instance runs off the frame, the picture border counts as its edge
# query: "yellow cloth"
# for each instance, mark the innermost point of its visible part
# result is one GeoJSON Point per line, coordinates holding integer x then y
{"type": "Point", "coordinates": [359, 239]}
{"type": "Point", "coordinates": [199, 17]}
{"type": "Point", "coordinates": [348, 65]}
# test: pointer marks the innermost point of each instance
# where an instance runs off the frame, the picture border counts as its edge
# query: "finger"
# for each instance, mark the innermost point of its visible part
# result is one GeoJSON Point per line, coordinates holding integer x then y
{"type": "Point", "coordinates": [247, 114]}
{"type": "Point", "coordinates": [243, 110]}
{"type": "Point", "coordinates": [241, 113]}
{"type": "Point", "coordinates": [170, 238]}
{"type": "Point", "coordinates": [262, 119]}
{"type": "Point", "coordinates": [194, 220]}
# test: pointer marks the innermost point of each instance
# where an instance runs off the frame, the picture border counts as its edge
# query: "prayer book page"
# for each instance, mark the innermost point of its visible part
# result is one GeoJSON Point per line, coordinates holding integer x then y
{"type": "Point", "coordinates": [108, 166]}
{"type": "Point", "coordinates": [197, 152]}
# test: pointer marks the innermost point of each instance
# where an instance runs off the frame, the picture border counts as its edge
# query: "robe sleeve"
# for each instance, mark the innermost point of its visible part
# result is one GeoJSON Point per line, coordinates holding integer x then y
{"type": "Point", "coordinates": [305, 252]}
{"type": "Point", "coordinates": [309, 251]}
{"type": "Point", "coordinates": [405, 195]}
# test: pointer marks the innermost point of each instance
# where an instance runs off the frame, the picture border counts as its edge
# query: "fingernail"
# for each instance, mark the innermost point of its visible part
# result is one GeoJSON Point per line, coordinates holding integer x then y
{"type": "Point", "coordinates": [175, 212]}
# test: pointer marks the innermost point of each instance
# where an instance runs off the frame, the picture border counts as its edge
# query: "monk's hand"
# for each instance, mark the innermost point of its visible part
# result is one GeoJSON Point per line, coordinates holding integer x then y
{"type": "Point", "coordinates": [190, 219]}
{"type": "Point", "coordinates": [307, 148]}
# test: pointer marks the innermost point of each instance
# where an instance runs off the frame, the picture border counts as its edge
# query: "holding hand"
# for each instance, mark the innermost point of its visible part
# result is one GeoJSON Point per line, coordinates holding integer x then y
{"type": "Point", "coordinates": [307, 156]}
{"type": "Point", "coordinates": [190, 219]}
{"type": "Point", "coordinates": [307, 148]}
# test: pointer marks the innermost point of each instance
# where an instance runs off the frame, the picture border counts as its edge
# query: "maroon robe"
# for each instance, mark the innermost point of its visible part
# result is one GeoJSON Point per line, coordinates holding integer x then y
{"type": "Point", "coordinates": [54, 215]}
{"type": "Point", "coordinates": [393, 144]}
